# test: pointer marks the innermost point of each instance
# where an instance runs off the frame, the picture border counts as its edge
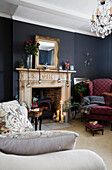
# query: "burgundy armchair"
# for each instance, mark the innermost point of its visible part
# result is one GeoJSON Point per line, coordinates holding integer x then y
{"type": "Point", "coordinates": [101, 112]}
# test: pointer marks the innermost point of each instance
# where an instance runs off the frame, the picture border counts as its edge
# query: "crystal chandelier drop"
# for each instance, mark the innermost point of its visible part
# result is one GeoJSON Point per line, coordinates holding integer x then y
{"type": "Point", "coordinates": [101, 22]}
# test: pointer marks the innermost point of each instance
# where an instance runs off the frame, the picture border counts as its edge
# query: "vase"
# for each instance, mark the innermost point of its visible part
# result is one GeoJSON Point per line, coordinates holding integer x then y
{"type": "Point", "coordinates": [29, 61]}
{"type": "Point", "coordinates": [66, 117]}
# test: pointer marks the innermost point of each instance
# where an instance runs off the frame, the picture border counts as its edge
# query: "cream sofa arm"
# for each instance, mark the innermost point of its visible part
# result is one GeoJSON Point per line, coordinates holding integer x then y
{"type": "Point", "coordinates": [64, 160]}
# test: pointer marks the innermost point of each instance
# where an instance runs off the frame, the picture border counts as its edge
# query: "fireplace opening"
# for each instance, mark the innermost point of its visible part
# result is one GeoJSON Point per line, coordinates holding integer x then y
{"type": "Point", "coordinates": [48, 100]}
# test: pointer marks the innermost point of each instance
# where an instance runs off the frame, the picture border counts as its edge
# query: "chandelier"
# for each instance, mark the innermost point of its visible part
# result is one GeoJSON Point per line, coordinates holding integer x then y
{"type": "Point", "coordinates": [101, 22]}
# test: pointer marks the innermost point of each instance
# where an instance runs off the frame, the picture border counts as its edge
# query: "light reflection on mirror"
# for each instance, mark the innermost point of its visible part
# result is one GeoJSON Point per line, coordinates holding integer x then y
{"type": "Point", "coordinates": [46, 52]}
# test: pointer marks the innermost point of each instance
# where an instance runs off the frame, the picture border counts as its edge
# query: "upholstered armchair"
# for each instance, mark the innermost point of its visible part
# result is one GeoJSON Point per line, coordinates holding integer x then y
{"type": "Point", "coordinates": [98, 105]}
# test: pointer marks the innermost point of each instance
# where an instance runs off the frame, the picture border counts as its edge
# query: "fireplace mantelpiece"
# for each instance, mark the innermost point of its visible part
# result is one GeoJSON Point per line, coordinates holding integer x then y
{"type": "Point", "coordinates": [49, 79]}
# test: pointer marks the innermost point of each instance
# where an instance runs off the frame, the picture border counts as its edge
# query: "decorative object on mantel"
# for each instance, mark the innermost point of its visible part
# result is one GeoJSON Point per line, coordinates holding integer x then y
{"type": "Point", "coordinates": [21, 64]}
{"type": "Point", "coordinates": [101, 22]}
{"type": "Point", "coordinates": [28, 85]}
{"type": "Point", "coordinates": [29, 61]}
{"type": "Point", "coordinates": [71, 67]}
{"type": "Point", "coordinates": [46, 67]}
{"type": "Point", "coordinates": [67, 65]}
{"type": "Point", "coordinates": [31, 48]}
{"type": "Point", "coordinates": [87, 60]}
{"type": "Point", "coordinates": [60, 67]}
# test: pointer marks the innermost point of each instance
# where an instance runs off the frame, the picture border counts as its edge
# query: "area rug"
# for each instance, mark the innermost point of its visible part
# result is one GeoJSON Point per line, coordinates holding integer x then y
{"type": "Point", "coordinates": [51, 126]}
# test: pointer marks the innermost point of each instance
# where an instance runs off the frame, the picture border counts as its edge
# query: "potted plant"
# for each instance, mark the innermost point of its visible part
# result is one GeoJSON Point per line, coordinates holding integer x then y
{"type": "Point", "coordinates": [68, 106]}
{"type": "Point", "coordinates": [21, 64]}
{"type": "Point", "coordinates": [31, 48]}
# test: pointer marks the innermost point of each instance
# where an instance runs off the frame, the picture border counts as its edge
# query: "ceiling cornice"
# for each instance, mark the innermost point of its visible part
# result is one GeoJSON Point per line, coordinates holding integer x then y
{"type": "Point", "coordinates": [52, 26]}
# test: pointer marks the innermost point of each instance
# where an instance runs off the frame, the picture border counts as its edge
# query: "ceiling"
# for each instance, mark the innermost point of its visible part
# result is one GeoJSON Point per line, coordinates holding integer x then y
{"type": "Point", "coordinates": [72, 15]}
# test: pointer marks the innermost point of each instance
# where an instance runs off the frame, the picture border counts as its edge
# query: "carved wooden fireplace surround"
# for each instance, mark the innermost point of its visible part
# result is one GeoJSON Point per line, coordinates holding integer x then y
{"type": "Point", "coordinates": [49, 79]}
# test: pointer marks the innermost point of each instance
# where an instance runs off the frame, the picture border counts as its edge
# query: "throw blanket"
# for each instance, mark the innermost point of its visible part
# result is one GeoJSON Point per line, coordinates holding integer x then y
{"type": "Point", "coordinates": [90, 101]}
{"type": "Point", "coordinates": [86, 109]}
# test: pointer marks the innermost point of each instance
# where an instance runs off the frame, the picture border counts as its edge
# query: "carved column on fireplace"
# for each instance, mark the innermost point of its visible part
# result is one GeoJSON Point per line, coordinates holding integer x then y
{"type": "Point", "coordinates": [49, 79]}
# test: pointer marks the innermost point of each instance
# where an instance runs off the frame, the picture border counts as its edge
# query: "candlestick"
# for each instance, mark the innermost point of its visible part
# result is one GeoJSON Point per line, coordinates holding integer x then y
{"type": "Point", "coordinates": [61, 103]}
{"type": "Point", "coordinates": [57, 113]}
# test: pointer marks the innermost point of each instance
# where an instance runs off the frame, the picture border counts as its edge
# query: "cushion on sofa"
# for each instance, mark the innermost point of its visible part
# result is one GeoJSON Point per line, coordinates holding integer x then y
{"type": "Point", "coordinates": [12, 117]}
{"type": "Point", "coordinates": [37, 142]}
{"type": "Point", "coordinates": [108, 98]}
{"type": "Point", "coordinates": [85, 101]}
{"type": "Point", "coordinates": [97, 100]}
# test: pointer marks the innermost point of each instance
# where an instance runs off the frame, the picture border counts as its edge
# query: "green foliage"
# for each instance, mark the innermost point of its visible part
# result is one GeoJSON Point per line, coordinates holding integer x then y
{"type": "Point", "coordinates": [31, 48]}
{"type": "Point", "coordinates": [80, 88]}
{"type": "Point", "coordinates": [21, 63]}
{"type": "Point", "coordinates": [68, 104]}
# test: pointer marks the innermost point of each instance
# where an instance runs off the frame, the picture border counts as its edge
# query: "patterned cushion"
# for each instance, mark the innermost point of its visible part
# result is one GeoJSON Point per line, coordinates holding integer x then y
{"type": "Point", "coordinates": [97, 100]}
{"type": "Point", "coordinates": [108, 98]}
{"type": "Point", "coordinates": [101, 85]}
{"type": "Point", "coordinates": [85, 101]}
{"type": "Point", "coordinates": [104, 110]}
{"type": "Point", "coordinates": [13, 118]}
{"type": "Point", "coordinates": [37, 142]}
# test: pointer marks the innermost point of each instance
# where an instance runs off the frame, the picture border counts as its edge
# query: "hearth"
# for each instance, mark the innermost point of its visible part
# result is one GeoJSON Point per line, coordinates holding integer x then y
{"type": "Point", "coordinates": [48, 99]}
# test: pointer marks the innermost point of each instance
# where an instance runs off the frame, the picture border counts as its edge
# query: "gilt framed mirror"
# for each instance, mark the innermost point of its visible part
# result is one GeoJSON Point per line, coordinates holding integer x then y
{"type": "Point", "coordinates": [48, 55]}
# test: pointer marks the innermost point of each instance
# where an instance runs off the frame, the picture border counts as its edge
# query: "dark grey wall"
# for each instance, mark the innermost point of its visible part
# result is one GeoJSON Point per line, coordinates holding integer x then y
{"type": "Point", "coordinates": [73, 46]}
{"type": "Point", "coordinates": [23, 31]}
{"type": "Point", "coordinates": [98, 49]}
{"type": "Point", "coordinates": [5, 59]}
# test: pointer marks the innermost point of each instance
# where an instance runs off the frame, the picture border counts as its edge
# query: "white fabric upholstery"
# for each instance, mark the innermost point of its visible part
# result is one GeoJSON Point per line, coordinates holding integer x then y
{"type": "Point", "coordinates": [14, 117]}
{"type": "Point", "coordinates": [24, 111]}
{"type": "Point", "coordinates": [37, 142]}
{"type": "Point", "coordinates": [65, 160]}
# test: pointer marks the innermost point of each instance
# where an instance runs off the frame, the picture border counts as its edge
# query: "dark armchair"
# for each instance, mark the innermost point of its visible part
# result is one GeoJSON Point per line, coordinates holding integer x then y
{"type": "Point", "coordinates": [99, 110]}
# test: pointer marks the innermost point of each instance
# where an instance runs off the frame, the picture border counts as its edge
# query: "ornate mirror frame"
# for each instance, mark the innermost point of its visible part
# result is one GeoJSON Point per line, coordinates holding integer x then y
{"type": "Point", "coordinates": [56, 53]}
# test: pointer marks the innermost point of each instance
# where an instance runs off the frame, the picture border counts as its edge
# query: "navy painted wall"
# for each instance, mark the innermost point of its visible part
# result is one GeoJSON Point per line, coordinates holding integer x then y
{"type": "Point", "coordinates": [73, 46]}
{"type": "Point", "coordinates": [24, 31]}
{"type": "Point", "coordinates": [98, 50]}
{"type": "Point", "coordinates": [5, 59]}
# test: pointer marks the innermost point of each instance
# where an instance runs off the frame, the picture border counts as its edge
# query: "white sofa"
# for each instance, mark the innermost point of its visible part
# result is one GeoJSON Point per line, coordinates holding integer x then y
{"type": "Point", "coordinates": [70, 159]}
{"type": "Point", "coordinates": [64, 160]}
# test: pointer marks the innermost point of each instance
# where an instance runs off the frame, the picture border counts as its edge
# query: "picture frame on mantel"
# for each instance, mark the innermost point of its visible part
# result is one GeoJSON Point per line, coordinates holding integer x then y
{"type": "Point", "coordinates": [48, 55]}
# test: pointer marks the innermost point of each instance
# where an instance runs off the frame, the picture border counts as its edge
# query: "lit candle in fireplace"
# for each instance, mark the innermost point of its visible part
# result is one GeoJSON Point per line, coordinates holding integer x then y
{"type": "Point", "coordinates": [57, 119]}
{"type": "Point", "coordinates": [61, 103]}
{"type": "Point", "coordinates": [57, 113]}
{"type": "Point", "coordinates": [62, 118]}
